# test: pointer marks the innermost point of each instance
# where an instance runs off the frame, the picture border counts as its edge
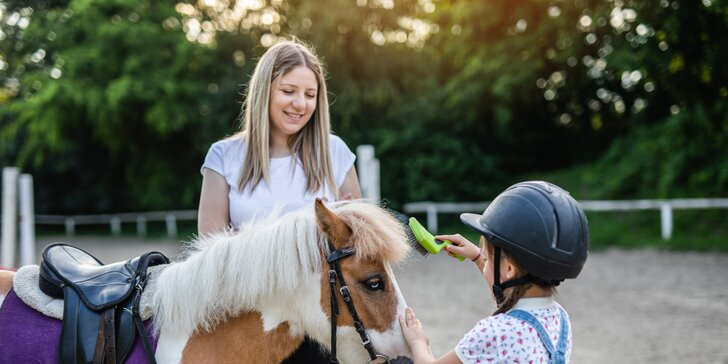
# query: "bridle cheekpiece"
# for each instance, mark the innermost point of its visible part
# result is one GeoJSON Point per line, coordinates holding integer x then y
{"type": "Point", "coordinates": [335, 273]}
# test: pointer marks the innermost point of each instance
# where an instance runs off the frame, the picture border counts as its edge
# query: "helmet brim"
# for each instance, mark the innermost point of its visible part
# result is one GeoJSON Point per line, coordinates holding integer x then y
{"type": "Point", "coordinates": [471, 220]}
{"type": "Point", "coordinates": [474, 222]}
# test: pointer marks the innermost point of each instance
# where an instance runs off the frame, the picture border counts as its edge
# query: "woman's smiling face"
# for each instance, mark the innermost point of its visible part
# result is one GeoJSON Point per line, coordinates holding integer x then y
{"type": "Point", "coordinates": [292, 102]}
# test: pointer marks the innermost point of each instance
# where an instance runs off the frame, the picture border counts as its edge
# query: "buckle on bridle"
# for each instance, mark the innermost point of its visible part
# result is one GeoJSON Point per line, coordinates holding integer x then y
{"type": "Point", "coordinates": [379, 359]}
{"type": "Point", "coordinates": [344, 290]}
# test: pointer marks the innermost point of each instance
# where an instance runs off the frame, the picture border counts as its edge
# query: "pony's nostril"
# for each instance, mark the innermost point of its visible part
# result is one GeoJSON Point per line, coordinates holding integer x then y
{"type": "Point", "coordinates": [401, 360]}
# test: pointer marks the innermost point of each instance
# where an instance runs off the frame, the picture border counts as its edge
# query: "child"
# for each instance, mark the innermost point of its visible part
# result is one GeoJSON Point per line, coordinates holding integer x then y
{"type": "Point", "coordinates": [533, 236]}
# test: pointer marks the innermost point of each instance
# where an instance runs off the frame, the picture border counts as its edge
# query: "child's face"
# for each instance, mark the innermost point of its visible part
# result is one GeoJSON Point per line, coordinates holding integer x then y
{"type": "Point", "coordinates": [487, 251]}
{"type": "Point", "coordinates": [508, 269]}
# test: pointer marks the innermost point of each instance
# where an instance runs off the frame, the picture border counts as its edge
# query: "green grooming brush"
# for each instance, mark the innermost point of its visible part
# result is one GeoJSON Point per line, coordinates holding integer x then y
{"type": "Point", "coordinates": [428, 243]}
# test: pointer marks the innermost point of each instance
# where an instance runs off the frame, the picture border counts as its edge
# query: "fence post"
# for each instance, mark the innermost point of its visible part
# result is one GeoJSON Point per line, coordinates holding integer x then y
{"type": "Point", "coordinates": [115, 225]}
{"type": "Point", "coordinates": [368, 169]}
{"type": "Point", "coordinates": [10, 216]}
{"type": "Point", "coordinates": [666, 220]}
{"type": "Point", "coordinates": [432, 218]}
{"type": "Point", "coordinates": [374, 187]}
{"type": "Point", "coordinates": [141, 222]}
{"type": "Point", "coordinates": [171, 225]}
{"type": "Point", "coordinates": [27, 220]}
{"type": "Point", "coordinates": [70, 224]}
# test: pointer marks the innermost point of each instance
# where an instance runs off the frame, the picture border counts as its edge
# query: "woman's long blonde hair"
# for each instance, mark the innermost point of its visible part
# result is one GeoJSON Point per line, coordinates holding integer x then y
{"type": "Point", "coordinates": [310, 144]}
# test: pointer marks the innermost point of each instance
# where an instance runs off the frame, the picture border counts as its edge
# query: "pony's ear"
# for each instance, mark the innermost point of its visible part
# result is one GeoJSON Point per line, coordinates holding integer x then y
{"type": "Point", "coordinates": [335, 229]}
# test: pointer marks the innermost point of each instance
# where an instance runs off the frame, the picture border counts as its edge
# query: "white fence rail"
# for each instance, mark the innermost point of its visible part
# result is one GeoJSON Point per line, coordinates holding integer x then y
{"type": "Point", "coordinates": [432, 209]}
{"type": "Point", "coordinates": [170, 219]}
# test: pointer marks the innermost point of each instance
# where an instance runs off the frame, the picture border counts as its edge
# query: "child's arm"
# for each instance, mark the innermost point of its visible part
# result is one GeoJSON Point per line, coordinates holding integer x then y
{"type": "Point", "coordinates": [464, 248]}
{"type": "Point", "coordinates": [415, 335]}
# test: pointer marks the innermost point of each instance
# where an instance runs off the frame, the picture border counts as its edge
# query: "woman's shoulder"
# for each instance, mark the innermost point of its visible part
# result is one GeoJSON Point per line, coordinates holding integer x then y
{"type": "Point", "coordinates": [233, 141]}
{"type": "Point", "coordinates": [338, 147]}
{"type": "Point", "coordinates": [230, 146]}
{"type": "Point", "coordinates": [224, 155]}
{"type": "Point", "coordinates": [336, 141]}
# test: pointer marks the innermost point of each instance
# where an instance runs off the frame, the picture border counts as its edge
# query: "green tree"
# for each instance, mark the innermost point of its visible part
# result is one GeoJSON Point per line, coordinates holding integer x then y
{"type": "Point", "coordinates": [656, 69]}
{"type": "Point", "coordinates": [107, 104]}
{"type": "Point", "coordinates": [113, 104]}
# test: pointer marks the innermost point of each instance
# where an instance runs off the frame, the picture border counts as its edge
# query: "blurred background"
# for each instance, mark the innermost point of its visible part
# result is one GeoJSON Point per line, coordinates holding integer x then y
{"type": "Point", "coordinates": [111, 105]}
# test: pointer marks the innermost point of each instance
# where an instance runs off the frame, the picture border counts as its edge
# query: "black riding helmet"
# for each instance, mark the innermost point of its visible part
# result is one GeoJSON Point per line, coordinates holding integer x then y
{"type": "Point", "coordinates": [541, 226]}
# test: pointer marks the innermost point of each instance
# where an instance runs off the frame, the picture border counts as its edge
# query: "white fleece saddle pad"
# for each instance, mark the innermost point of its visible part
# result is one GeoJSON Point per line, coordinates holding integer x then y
{"type": "Point", "coordinates": [25, 284]}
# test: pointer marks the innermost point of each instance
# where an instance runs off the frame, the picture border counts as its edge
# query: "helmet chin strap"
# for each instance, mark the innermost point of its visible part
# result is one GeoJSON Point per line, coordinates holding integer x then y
{"type": "Point", "coordinates": [498, 287]}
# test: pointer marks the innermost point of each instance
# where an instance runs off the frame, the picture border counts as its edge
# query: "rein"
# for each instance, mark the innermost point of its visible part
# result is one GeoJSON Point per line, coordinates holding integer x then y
{"type": "Point", "coordinates": [335, 272]}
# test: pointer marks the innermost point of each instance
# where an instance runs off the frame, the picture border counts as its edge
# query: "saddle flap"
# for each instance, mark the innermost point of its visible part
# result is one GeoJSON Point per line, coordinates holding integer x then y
{"type": "Point", "coordinates": [99, 286]}
{"type": "Point", "coordinates": [106, 289]}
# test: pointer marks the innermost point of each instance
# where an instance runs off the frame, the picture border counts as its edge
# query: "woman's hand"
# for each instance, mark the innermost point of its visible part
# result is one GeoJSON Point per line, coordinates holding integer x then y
{"type": "Point", "coordinates": [460, 246]}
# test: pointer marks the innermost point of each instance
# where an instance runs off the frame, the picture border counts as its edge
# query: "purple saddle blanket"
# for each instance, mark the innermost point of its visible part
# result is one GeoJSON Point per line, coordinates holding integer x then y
{"type": "Point", "coordinates": [28, 336]}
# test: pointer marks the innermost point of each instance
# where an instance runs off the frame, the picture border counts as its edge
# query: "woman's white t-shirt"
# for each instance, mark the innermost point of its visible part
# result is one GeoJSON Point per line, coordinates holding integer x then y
{"type": "Point", "coordinates": [287, 188]}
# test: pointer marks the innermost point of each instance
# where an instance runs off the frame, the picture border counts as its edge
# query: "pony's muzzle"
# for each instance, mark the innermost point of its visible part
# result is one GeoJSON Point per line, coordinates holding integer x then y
{"type": "Point", "coordinates": [401, 360]}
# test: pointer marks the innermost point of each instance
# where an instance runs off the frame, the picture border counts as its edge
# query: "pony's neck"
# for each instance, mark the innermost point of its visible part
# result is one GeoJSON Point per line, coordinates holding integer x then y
{"type": "Point", "coordinates": [239, 340]}
{"type": "Point", "coordinates": [234, 272]}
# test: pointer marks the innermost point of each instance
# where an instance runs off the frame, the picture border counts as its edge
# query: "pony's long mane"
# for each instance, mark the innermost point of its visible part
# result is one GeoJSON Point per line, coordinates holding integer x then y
{"type": "Point", "coordinates": [232, 272]}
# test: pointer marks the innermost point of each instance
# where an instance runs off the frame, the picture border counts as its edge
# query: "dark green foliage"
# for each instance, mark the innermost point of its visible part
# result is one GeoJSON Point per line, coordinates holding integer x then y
{"type": "Point", "coordinates": [501, 90]}
{"type": "Point", "coordinates": [700, 230]}
{"type": "Point", "coordinates": [685, 156]}
{"type": "Point", "coordinates": [122, 127]}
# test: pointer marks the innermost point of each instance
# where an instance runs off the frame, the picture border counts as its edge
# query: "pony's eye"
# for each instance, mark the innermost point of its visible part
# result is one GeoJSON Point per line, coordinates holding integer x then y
{"type": "Point", "coordinates": [375, 283]}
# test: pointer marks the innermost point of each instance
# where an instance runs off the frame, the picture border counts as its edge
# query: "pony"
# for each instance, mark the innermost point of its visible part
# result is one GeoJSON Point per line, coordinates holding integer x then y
{"type": "Point", "coordinates": [252, 295]}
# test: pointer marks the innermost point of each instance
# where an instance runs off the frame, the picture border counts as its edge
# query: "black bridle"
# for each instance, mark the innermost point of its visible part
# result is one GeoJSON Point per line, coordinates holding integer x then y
{"type": "Point", "coordinates": [335, 272]}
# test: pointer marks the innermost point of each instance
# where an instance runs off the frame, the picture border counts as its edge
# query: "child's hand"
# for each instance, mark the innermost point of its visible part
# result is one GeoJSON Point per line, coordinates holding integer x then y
{"type": "Point", "coordinates": [413, 331]}
{"type": "Point", "coordinates": [460, 246]}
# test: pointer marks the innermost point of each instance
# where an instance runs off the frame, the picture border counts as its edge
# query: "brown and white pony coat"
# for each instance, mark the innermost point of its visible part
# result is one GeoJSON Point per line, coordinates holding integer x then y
{"type": "Point", "coordinates": [252, 296]}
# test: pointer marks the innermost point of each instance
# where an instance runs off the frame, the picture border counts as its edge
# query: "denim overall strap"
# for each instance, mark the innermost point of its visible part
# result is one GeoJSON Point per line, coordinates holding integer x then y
{"type": "Point", "coordinates": [557, 356]}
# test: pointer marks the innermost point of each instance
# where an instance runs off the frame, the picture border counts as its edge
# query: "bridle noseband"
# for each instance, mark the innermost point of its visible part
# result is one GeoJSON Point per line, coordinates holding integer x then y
{"type": "Point", "coordinates": [335, 272]}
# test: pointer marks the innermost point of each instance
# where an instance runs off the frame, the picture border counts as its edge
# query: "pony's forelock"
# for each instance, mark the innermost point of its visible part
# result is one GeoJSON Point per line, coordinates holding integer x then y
{"type": "Point", "coordinates": [377, 234]}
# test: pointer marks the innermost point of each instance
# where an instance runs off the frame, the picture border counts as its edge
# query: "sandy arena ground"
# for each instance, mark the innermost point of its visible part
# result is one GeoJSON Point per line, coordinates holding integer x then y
{"type": "Point", "coordinates": [626, 307]}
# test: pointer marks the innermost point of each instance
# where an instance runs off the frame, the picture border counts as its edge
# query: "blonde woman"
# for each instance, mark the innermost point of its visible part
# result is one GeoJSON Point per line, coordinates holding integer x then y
{"type": "Point", "coordinates": [284, 155]}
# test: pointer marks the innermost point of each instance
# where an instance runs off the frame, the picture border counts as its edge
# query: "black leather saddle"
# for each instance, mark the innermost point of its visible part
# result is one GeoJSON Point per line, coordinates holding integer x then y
{"type": "Point", "coordinates": [101, 303]}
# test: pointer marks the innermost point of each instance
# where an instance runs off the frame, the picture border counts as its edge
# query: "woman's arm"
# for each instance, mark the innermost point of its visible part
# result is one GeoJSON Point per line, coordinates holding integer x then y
{"type": "Point", "coordinates": [350, 186]}
{"type": "Point", "coordinates": [214, 213]}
